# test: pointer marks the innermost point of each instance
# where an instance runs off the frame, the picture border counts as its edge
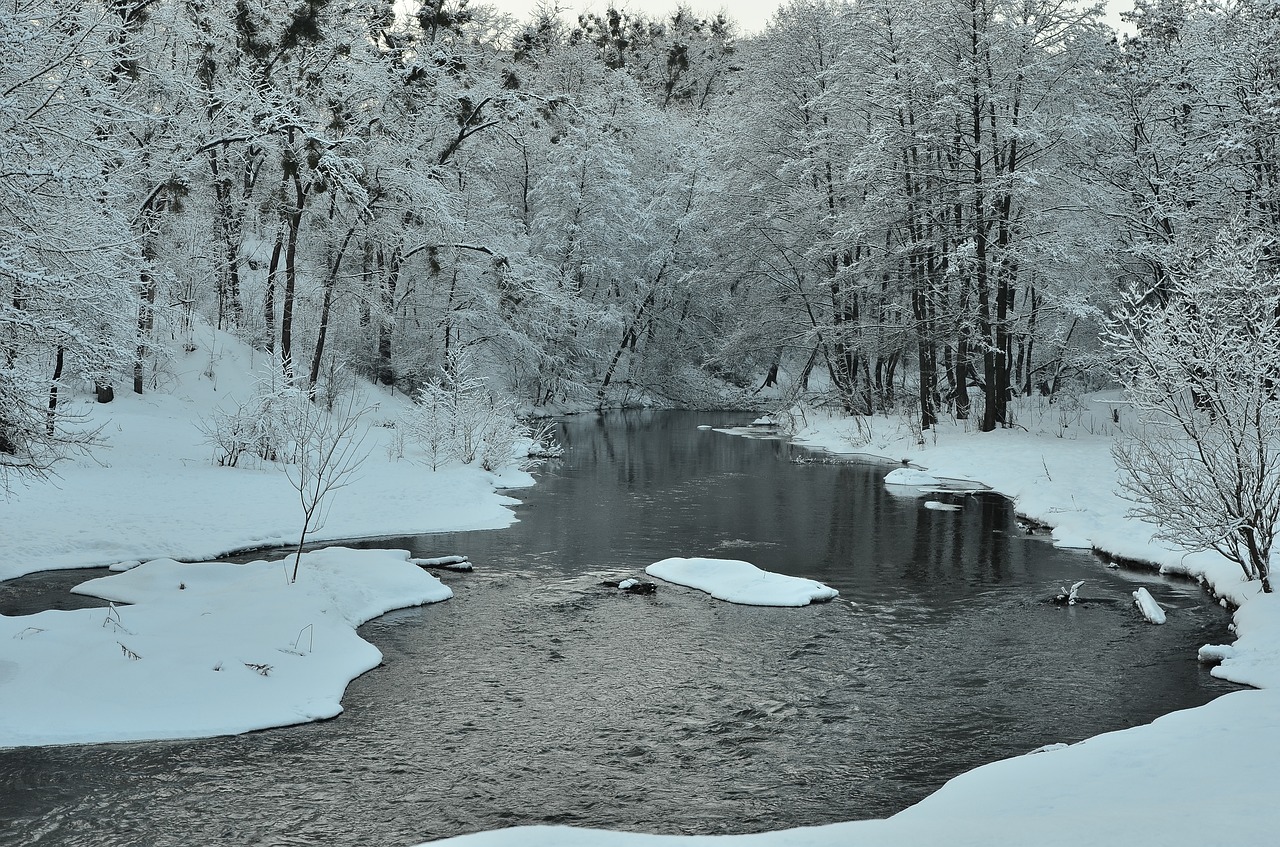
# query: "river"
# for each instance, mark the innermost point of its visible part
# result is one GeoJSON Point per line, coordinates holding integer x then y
{"type": "Point", "coordinates": [538, 695]}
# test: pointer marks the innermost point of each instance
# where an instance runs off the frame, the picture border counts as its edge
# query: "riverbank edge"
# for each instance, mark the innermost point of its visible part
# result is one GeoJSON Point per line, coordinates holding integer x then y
{"type": "Point", "coordinates": [1220, 582]}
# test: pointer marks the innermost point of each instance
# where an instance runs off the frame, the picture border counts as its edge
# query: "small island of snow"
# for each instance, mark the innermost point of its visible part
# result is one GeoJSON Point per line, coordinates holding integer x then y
{"type": "Point", "coordinates": [741, 582]}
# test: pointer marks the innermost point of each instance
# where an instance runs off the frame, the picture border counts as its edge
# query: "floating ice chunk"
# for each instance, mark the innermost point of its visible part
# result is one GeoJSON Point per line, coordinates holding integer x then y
{"type": "Point", "coordinates": [941, 507]}
{"type": "Point", "coordinates": [1213, 653]}
{"type": "Point", "coordinates": [1148, 606]}
{"type": "Point", "coordinates": [911, 476]}
{"type": "Point", "coordinates": [628, 583]}
{"type": "Point", "coordinates": [741, 582]}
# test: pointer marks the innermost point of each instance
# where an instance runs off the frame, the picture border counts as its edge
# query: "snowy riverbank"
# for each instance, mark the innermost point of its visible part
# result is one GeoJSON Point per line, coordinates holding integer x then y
{"type": "Point", "coordinates": [201, 649]}
{"type": "Point", "coordinates": [212, 648]}
{"type": "Point", "coordinates": [152, 490]}
{"type": "Point", "coordinates": [1201, 776]}
{"type": "Point", "coordinates": [1196, 777]}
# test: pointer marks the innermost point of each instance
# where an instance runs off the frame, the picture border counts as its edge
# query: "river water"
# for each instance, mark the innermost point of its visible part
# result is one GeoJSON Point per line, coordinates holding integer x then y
{"type": "Point", "coordinates": [538, 695]}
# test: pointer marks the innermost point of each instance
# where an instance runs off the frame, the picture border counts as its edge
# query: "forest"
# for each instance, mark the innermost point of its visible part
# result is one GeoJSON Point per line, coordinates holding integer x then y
{"type": "Point", "coordinates": [925, 207]}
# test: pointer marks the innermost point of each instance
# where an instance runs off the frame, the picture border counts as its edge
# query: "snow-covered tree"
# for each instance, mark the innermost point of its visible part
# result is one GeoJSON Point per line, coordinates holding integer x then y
{"type": "Point", "coordinates": [1201, 369]}
{"type": "Point", "coordinates": [68, 261]}
{"type": "Point", "coordinates": [902, 179]}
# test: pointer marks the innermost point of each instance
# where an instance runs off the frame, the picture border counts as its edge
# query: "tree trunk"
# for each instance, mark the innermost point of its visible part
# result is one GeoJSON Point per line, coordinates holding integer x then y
{"type": "Point", "coordinates": [389, 282]}
{"type": "Point", "coordinates": [325, 309]}
{"type": "Point", "coordinates": [146, 319]}
{"type": "Point", "coordinates": [293, 221]}
{"type": "Point", "coordinates": [269, 301]}
{"type": "Point", "coordinates": [52, 415]}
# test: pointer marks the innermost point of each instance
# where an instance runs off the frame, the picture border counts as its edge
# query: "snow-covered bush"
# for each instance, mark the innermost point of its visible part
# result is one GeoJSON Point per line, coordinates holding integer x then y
{"type": "Point", "coordinates": [498, 446]}
{"type": "Point", "coordinates": [460, 418]}
{"type": "Point", "coordinates": [542, 442]}
{"type": "Point", "coordinates": [430, 425]}
{"type": "Point", "coordinates": [258, 426]}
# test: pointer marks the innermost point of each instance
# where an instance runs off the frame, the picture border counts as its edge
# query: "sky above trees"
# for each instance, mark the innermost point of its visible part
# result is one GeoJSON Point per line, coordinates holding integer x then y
{"type": "Point", "coordinates": [750, 15]}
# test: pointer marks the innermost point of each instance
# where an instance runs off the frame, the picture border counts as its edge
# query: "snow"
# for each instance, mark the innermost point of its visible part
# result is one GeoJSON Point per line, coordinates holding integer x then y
{"type": "Point", "coordinates": [152, 489]}
{"type": "Point", "coordinates": [1198, 776]}
{"type": "Point", "coordinates": [204, 649]}
{"type": "Point", "coordinates": [911, 476]}
{"type": "Point", "coordinates": [210, 648]}
{"type": "Point", "coordinates": [1213, 653]}
{"type": "Point", "coordinates": [741, 582]}
{"type": "Point", "coordinates": [449, 563]}
{"type": "Point", "coordinates": [1148, 606]}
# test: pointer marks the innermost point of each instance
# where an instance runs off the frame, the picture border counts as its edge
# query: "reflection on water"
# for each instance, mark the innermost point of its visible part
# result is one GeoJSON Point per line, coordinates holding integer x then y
{"type": "Point", "coordinates": [538, 695]}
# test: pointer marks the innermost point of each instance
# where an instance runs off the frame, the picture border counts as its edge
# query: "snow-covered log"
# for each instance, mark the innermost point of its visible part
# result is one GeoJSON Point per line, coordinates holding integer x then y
{"type": "Point", "coordinates": [1148, 606]}
{"type": "Point", "coordinates": [1212, 654]}
{"type": "Point", "coordinates": [452, 563]}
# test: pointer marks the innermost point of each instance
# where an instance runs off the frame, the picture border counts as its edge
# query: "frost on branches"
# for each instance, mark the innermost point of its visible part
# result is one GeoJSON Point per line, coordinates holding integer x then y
{"type": "Point", "coordinates": [1202, 368]}
{"type": "Point", "coordinates": [66, 309]}
{"type": "Point", "coordinates": [461, 418]}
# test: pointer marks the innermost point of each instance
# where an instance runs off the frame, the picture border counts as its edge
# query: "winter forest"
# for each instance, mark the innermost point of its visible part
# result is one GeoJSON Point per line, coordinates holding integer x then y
{"type": "Point", "coordinates": [926, 207]}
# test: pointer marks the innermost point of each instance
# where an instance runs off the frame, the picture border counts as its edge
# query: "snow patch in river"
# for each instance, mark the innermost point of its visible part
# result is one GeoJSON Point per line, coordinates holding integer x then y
{"type": "Point", "coordinates": [741, 582]}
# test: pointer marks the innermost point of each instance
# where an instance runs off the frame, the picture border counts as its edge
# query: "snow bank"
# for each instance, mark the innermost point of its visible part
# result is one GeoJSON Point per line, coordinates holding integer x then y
{"type": "Point", "coordinates": [1148, 606]}
{"type": "Point", "coordinates": [741, 582]}
{"type": "Point", "coordinates": [204, 649]}
{"type": "Point", "coordinates": [152, 490]}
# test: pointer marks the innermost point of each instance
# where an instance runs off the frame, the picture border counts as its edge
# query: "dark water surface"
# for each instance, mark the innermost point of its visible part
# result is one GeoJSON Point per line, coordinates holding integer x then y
{"type": "Point", "coordinates": [537, 695]}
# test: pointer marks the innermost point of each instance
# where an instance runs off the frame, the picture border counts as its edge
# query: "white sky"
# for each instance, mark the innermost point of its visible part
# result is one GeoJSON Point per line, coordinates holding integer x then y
{"type": "Point", "coordinates": [751, 15]}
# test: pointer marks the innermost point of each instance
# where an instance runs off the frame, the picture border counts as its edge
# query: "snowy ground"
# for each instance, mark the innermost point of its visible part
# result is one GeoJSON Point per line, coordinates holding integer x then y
{"type": "Point", "coordinates": [202, 649]}
{"type": "Point", "coordinates": [1197, 777]}
{"type": "Point", "coordinates": [212, 648]}
{"type": "Point", "coordinates": [152, 490]}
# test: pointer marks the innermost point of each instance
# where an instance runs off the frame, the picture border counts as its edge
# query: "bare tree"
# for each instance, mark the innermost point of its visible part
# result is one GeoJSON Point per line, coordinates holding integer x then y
{"type": "Point", "coordinates": [1202, 370]}
{"type": "Point", "coordinates": [328, 450]}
